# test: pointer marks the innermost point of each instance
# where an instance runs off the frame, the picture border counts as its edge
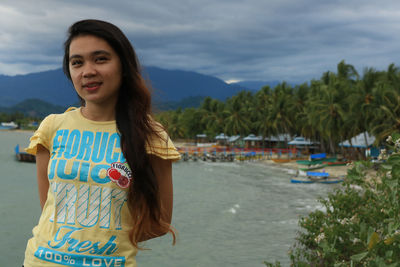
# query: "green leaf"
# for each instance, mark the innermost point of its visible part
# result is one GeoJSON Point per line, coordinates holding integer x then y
{"type": "Point", "coordinates": [363, 230]}
{"type": "Point", "coordinates": [389, 254]}
{"type": "Point", "coordinates": [395, 136]}
{"type": "Point", "coordinates": [359, 257]}
{"type": "Point", "coordinates": [394, 159]}
{"type": "Point", "coordinates": [386, 166]}
{"type": "Point", "coordinates": [392, 183]}
{"type": "Point", "coordinates": [396, 170]}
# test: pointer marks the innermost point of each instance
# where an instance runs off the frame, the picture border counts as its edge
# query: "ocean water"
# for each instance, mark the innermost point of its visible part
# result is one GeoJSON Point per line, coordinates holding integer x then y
{"type": "Point", "coordinates": [226, 214]}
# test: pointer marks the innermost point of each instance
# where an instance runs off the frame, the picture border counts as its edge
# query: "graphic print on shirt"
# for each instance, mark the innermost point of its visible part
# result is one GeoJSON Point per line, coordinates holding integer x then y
{"type": "Point", "coordinates": [120, 174]}
{"type": "Point", "coordinates": [81, 156]}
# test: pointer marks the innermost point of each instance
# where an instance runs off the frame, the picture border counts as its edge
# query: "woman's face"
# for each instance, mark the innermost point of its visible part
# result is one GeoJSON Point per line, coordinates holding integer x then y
{"type": "Point", "coordinates": [95, 69]}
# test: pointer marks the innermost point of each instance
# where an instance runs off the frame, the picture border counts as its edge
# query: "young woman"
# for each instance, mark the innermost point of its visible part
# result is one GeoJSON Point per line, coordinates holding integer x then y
{"type": "Point", "coordinates": [104, 169]}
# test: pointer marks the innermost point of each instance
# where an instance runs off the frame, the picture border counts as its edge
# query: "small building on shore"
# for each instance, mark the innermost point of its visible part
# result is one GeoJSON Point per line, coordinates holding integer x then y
{"type": "Point", "coordinates": [360, 146]}
{"type": "Point", "coordinates": [252, 141]}
{"type": "Point", "coordinates": [306, 145]}
{"type": "Point", "coordinates": [222, 139]}
{"type": "Point", "coordinates": [235, 141]}
{"type": "Point", "coordinates": [201, 138]}
{"type": "Point", "coordinates": [278, 141]}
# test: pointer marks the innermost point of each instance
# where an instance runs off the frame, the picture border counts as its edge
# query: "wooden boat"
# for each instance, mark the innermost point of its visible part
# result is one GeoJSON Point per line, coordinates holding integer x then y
{"type": "Point", "coordinates": [301, 180]}
{"type": "Point", "coordinates": [309, 162]}
{"type": "Point", "coordinates": [318, 156]}
{"type": "Point", "coordinates": [307, 180]}
{"type": "Point", "coordinates": [313, 167]}
{"type": "Point", "coordinates": [281, 160]}
{"type": "Point", "coordinates": [314, 162]}
{"type": "Point", "coordinates": [317, 174]}
{"type": "Point", "coordinates": [316, 177]}
{"type": "Point", "coordinates": [23, 156]}
{"type": "Point", "coordinates": [336, 163]}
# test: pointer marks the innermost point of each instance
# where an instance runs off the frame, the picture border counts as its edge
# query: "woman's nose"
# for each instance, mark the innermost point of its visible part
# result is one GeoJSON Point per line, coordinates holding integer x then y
{"type": "Point", "coordinates": [89, 70]}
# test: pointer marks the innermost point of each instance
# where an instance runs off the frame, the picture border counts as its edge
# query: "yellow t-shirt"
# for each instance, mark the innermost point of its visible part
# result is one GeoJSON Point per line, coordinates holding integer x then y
{"type": "Point", "coordinates": [85, 220]}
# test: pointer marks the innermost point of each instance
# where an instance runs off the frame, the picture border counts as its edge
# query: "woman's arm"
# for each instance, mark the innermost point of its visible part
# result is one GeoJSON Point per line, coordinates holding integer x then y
{"type": "Point", "coordinates": [42, 161]}
{"type": "Point", "coordinates": [163, 171]}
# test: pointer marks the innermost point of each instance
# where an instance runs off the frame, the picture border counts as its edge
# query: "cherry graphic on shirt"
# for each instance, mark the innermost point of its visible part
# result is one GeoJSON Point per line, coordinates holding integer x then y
{"type": "Point", "coordinates": [120, 174]}
{"type": "Point", "coordinates": [123, 181]}
{"type": "Point", "coordinates": [114, 174]}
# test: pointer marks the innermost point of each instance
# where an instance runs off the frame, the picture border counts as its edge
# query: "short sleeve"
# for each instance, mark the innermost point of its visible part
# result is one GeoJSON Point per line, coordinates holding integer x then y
{"type": "Point", "coordinates": [161, 145]}
{"type": "Point", "coordinates": [41, 136]}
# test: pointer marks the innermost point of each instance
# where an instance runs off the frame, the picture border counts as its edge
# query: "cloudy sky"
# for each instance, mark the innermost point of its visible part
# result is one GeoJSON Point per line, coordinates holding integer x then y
{"type": "Point", "coordinates": [291, 40]}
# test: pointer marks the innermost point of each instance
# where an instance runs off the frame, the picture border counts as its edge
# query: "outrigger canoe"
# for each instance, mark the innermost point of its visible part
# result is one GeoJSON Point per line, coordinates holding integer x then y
{"type": "Point", "coordinates": [306, 180]}
{"type": "Point", "coordinates": [316, 177]}
{"type": "Point", "coordinates": [281, 160]}
{"type": "Point", "coordinates": [314, 162]}
{"type": "Point", "coordinates": [337, 163]}
{"type": "Point", "coordinates": [313, 167]}
{"type": "Point", "coordinates": [23, 156]}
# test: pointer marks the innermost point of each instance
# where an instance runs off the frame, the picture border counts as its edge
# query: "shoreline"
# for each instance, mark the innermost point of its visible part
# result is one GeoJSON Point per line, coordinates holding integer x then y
{"type": "Point", "coordinates": [292, 167]}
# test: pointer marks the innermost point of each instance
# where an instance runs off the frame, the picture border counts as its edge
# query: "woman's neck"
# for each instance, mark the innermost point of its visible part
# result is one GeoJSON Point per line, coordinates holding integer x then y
{"type": "Point", "coordinates": [98, 112]}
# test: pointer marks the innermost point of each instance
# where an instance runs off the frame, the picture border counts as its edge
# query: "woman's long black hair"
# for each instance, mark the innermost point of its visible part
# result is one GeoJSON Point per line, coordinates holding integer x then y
{"type": "Point", "coordinates": [134, 125]}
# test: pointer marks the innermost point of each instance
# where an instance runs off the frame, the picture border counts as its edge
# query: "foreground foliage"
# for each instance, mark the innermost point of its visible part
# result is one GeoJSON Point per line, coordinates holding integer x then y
{"type": "Point", "coordinates": [360, 225]}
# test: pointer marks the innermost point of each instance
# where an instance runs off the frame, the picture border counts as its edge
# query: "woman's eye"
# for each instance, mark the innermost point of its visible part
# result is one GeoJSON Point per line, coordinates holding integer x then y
{"type": "Point", "coordinates": [76, 62]}
{"type": "Point", "coordinates": [101, 59]}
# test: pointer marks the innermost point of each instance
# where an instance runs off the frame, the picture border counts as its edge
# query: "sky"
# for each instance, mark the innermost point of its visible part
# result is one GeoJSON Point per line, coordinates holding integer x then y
{"type": "Point", "coordinates": [235, 40]}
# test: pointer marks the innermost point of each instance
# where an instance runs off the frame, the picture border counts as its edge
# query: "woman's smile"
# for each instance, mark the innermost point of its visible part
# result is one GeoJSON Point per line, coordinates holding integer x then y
{"type": "Point", "coordinates": [92, 86]}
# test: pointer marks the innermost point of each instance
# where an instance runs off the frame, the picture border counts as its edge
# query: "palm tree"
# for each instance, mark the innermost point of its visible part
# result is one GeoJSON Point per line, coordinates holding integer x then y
{"type": "Point", "coordinates": [263, 125]}
{"type": "Point", "coordinates": [387, 116]}
{"type": "Point", "coordinates": [362, 102]}
{"type": "Point", "coordinates": [279, 107]}
{"type": "Point", "coordinates": [212, 116]}
{"type": "Point", "coordinates": [237, 120]}
{"type": "Point", "coordinates": [326, 109]}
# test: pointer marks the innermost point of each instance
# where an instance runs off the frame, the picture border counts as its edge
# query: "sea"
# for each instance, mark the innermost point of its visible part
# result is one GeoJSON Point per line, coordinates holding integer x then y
{"type": "Point", "coordinates": [226, 213]}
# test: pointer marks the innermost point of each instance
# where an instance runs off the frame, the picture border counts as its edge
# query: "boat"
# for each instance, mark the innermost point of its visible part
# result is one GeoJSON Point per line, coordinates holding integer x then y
{"type": "Point", "coordinates": [316, 159]}
{"type": "Point", "coordinates": [23, 156]}
{"type": "Point", "coordinates": [307, 180]}
{"type": "Point", "coordinates": [301, 180]}
{"type": "Point", "coordinates": [318, 156]}
{"type": "Point", "coordinates": [313, 167]}
{"type": "Point", "coordinates": [317, 174]}
{"type": "Point", "coordinates": [314, 162]}
{"type": "Point", "coordinates": [309, 162]}
{"type": "Point", "coordinates": [316, 177]}
{"type": "Point", "coordinates": [337, 163]}
{"type": "Point", "coordinates": [281, 160]}
{"type": "Point", "coordinates": [8, 125]}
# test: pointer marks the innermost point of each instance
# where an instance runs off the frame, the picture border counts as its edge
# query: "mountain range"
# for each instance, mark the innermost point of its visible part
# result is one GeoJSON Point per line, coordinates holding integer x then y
{"type": "Point", "coordinates": [170, 88]}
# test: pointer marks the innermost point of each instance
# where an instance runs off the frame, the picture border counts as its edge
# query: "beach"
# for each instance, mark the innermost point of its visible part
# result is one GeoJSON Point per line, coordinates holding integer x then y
{"type": "Point", "coordinates": [291, 166]}
{"type": "Point", "coordinates": [333, 171]}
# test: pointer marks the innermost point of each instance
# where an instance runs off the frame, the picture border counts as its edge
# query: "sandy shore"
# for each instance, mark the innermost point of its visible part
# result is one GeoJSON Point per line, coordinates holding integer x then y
{"type": "Point", "coordinates": [292, 165]}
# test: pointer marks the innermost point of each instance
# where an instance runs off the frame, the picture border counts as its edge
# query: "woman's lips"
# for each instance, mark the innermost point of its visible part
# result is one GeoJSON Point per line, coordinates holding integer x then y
{"type": "Point", "coordinates": [92, 86]}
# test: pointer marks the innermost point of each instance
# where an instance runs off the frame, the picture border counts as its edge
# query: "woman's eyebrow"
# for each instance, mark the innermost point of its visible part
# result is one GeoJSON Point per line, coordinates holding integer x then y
{"type": "Point", "coordinates": [94, 53]}
{"type": "Point", "coordinates": [100, 52]}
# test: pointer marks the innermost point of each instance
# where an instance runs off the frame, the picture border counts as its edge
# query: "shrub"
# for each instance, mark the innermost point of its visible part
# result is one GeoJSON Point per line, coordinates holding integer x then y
{"type": "Point", "coordinates": [360, 225]}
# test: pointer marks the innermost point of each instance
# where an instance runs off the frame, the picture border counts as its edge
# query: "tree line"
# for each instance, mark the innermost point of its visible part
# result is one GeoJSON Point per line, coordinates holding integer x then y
{"type": "Point", "coordinates": [337, 107]}
{"type": "Point", "coordinates": [22, 120]}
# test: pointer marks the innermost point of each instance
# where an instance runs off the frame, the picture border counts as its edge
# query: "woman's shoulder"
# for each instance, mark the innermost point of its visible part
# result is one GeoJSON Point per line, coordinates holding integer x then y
{"type": "Point", "coordinates": [71, 111]}
{"type": "Point", "coordinates": [58, 118]}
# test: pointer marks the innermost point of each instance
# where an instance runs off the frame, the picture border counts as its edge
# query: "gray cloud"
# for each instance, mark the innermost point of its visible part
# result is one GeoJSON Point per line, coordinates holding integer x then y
{"type": "Point", "coordinates": [232, 39]}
